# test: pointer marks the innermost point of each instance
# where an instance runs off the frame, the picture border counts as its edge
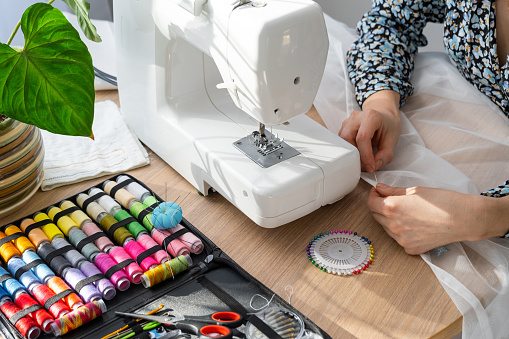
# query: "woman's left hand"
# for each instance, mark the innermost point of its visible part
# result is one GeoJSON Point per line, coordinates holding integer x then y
{"type": "Point", "coordinates": [421, 218]}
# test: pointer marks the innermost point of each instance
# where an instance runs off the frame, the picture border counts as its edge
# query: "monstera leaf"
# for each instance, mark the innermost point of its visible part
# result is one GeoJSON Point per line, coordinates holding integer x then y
{"type": "Point", "coordinates": [81, 9]}
{"type": "Point", "coordinates": [50, 82]}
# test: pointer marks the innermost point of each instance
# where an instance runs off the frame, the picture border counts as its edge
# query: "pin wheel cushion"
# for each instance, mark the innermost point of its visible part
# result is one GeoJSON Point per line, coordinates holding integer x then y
{"type": "Point", "coordinates": [166, 215]}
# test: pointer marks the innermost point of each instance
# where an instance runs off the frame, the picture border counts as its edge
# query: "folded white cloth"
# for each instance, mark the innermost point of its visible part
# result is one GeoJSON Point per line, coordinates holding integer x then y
{"type": "Point", "coordinates": [115, 149]}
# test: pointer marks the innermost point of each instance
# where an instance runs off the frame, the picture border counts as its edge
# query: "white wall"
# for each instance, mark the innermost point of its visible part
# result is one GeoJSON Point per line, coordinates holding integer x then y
{"type": "Point", "coordinates": [351, 11]}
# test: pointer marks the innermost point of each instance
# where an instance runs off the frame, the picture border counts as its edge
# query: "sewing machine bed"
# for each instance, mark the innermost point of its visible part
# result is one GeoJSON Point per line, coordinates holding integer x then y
{"type": "Point", "coordinates": [185, 294]}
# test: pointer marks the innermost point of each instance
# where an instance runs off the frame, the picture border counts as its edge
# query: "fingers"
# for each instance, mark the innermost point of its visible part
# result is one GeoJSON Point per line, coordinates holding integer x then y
{"type": "Point", "coordinates": [385, 190]}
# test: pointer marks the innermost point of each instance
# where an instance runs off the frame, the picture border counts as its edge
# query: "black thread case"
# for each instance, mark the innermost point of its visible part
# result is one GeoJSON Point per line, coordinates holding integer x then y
{"type": "Point", "coordinates": [186, 294]}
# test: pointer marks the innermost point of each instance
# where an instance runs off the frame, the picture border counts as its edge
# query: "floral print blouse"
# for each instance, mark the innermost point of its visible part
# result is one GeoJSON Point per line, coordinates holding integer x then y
{"type": "Point", "coordinates": [390, 34]}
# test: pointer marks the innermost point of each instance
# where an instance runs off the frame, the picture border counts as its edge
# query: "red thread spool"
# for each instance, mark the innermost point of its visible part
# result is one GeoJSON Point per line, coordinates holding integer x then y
{"type": "Point", "coordinates": [41, 316]}
{"type": "Point", "coordinates": [26, 326]}
{"type": "Point", "coordinates": [42, 293]}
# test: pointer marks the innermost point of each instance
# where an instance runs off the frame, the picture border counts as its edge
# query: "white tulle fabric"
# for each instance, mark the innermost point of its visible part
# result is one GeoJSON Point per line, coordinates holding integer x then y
{"type": "Point", "coordinates": [453, 137]}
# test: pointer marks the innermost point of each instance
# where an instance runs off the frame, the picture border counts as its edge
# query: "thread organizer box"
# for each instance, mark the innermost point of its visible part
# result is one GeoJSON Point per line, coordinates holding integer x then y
{"type": "Point", "coordinates": [68, 268]}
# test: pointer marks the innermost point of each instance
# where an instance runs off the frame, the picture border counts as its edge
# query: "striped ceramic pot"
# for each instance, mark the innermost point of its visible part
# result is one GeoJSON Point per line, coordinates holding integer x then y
{"type": "Point", "coordinates": [21, 158]}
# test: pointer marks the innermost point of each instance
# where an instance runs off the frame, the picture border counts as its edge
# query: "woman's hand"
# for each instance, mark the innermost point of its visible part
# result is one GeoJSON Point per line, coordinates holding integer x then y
{"type": "Point", "coordinates": [421, 218]}
{"type": "Point", "coordinates": [378, 126]}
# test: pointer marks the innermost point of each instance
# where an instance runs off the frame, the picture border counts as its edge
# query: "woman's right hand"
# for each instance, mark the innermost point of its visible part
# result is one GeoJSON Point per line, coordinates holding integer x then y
{"type": "Point", "coordinates": [375, 130]}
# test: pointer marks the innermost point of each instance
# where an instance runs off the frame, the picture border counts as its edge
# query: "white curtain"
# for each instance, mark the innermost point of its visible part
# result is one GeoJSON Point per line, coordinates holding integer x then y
{"type": "Point", "coordinates": [453, 137]}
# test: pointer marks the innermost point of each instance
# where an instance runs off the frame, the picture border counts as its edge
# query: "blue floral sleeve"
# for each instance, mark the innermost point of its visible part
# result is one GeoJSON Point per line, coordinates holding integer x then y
{"type": "Point", "coordinates": [389, 36]}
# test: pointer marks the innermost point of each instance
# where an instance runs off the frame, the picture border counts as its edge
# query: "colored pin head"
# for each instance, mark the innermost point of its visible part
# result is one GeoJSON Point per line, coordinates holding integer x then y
{"type": "Point", "coordinates": [166, 215]}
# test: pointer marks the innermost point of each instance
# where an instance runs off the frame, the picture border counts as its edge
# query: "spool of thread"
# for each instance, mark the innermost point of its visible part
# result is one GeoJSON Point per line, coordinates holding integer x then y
{"type": "Point", "coordinates": [42, 271]}
{"type": "Point", "coordinates": [80, 316]}
{"type": "Point", "coordinates": [140, 192]}
{"type": "Point", "coordinates": [64, 223]}
{"type": "Point", "coordinates": [120, 235]}
{"type": "Point", "coordinates": [94, 210]}
{"type": "Point", "coordinates": [90, 251]}
{"type": "Point", "coordinates": [42, 293]}
{"type": "Point", "coordinates": [103, 243]}
{"type": "Point", "coordinates": [57, 285]}
{"type": "Point", "coordinates": [4, 296]}
{"type": "Point", "coordinates": [104, 262]}
{"type": "Point", "coordinates": [147, 242]}
{"type": "Point", "coordinates": [192, 241]}
{"type": "Point", "coordinates": [107, 203]}
{"type": "Point", "coordinates": [136, 208]}
{"type": "Point", "coordinates": [25, 325]}
{"type": "Point", "coordinates": [73, 256]}
{"type": "Point", "coordinates": [87, 292]}
{"type": "Point", "coordinates": [78, 216]}
{"type": "Point", "coordinates": [58, 264]}
{"type": "Point", "coordinates": [104, 286]}
{"type": "Point", "coordinates": [40, 316]}
{"type": "Point", "coordinates": [175, 247]}
{"type": "Point", "coordinates": [11, 285]}
{"type": "Point", "coordinates": [22, 243]}
{"type": "Point", "coordinates": [165, 271]}
{"type": "Point", "coordinates": [36, 236]}
{"type": "Point", "coordinates": [51, 230]}
{"type": "Point", "coordinates": [122, 195]}
{"type": "Point", "coordinates": [133, 270]}
{"type": "Point", "coordinates": [134, 249]}
{"type": "Point", "coordinates": [134, 227]}
{"type": "Point", "coordinates": [8, 250]}
{"type": "Point", "coordinates": [28, 279]}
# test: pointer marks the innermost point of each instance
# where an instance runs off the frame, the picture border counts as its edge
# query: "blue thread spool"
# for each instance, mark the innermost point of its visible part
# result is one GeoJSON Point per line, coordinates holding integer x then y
{"type": "Point", "coordinates": [28, 279]}
{"type": "Point", "coordinates": [42, 271]}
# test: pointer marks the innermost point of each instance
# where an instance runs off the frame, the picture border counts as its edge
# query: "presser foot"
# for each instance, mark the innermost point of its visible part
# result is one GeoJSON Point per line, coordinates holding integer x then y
{"type": "Point", "coordinates": [265, 149]}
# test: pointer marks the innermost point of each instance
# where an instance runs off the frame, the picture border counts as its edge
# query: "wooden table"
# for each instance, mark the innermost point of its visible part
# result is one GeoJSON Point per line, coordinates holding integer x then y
{"type": "Point", "coordinates": [398, 296]}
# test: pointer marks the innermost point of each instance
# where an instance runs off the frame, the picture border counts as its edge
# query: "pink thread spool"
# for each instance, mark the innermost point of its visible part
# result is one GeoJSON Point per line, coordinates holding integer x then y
{"type": "Point", "coordinates": [104, 262]}
{"type": "Point", "coordinates": [134, 249]}
{"type": "Point", "coordinates": [147, 242]}
{"type": "Point", "coordinates": [103, 243]}
{"type": "Point", "coordinates": [188, 238]}
{"type": "Point", "coordinates": [174, 247]}
{"type": "Point", "coordinates": [133, 270]}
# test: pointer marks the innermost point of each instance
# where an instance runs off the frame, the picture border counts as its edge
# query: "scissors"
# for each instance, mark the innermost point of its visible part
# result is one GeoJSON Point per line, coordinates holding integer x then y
{"type": "Point", "coordinates": [215, 325]}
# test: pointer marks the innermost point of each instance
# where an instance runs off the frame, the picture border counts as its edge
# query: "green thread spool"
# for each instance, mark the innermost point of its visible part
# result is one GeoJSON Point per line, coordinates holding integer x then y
{"type": "Point", "coordinates": [120, 234]}
{"type": "Point", "coordinates": [135, 228]}
{"type": "Point", "coordinates": [150, 200]}
{"type": "Point", "coordinates": [136, 209]}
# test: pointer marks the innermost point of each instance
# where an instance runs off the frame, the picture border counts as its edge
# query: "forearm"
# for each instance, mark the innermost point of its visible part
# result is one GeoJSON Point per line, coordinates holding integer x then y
{"type": "Point", "coordinates": [494, 217]}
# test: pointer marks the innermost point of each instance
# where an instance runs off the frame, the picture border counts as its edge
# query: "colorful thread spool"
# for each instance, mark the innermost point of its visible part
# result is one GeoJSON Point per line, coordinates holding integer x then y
{"type": "Point", "coordinates": [90, 251]}
{"type": "Point", "coordinates": [57, 262]}
{"type": "Point", "coordinates": [40, 316]}
{"type": "Point", "coordinates": [104, 286]}
{"type": "Point", "coordinates": [42, 293]}
{"type": "Point", "coordinates": [11, 285]}
{"type": "Point", "coordinates": [36, 236]}
{"type": "Point", "coordinates": [8, 250]}
{"type": "Point", "coordinates": [57, 285]}
{"type": "Point", "coordinates": [140, 192]}
{"type": "Point", "coordinates": [104, 262]}
{"type": "Point", "coordinates": [194, 243]}
{"type": "Point", "coordinates": [134, 249]}
{"type": "Point", "coordinates": [25, 325]}
{"type": "Point", "coordinates": [133, 270]}
{"type": "Point", "coordinates": [80, 316]}
{"type": "Point", "coordinates": [64, 223]}
{"type": "Point", "coordinates": [175, 247]}
{"type": "Point", "coordinates": [166, 270]}
{"type": "Point", "coordinates": [51, 230]}
{"type": "Point", "coordinates": [125, 198]}
{"type": "Point", "coordinates": [147, 242]}
{"type": "Point", "coordinates": [77, 279]}
{"type": "Point", "coordinates": [41, 270]}
{"type": "Point", "coordinates": [22, 243]}
{"type": "Point", "coordinates": [73, 256]}
{"type": "Point", "coordinates": [78, 216]}
{"type": "Point", "coordinates": [103, 243]}
{"type": "Point", "coordinates": [27, 278]}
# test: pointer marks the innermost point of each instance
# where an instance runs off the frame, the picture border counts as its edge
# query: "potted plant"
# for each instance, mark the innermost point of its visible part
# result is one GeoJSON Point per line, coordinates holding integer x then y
{"type": "Point", "coordinates": [47, 84]}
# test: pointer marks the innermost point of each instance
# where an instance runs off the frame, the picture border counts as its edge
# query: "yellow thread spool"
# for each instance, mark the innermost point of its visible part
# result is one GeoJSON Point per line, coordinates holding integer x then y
{"type": "Point", "coordinates": [122, 196]}
{"type": "Point", "coordinates": [21, 243]}
{"type": "Point", "coordinates": [51, 230]}
{"type": "Point", "coordinates": [8, 250]}
{"type": "Point", "coordinates": [36, 236]}
{"type": "Point", "coordinates": [79, 217]}
{"type": "Point", "coordinates": [64, 222]}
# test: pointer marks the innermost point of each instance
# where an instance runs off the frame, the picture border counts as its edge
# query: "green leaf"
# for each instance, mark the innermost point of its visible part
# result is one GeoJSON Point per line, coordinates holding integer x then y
{"type": "Point", "coordinates": [50, 84]}
{"type": "Point", "coordinates": [81, 9]}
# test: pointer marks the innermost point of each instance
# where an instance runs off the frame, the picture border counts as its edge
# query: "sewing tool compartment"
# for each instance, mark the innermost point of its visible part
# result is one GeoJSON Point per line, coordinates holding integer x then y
{"type": "Point", "coordinates": [68, 269]}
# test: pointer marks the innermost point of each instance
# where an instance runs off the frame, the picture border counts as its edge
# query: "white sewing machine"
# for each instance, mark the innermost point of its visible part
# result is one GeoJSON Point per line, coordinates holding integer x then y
{"type": "Point", "coordinates": [196, 78]}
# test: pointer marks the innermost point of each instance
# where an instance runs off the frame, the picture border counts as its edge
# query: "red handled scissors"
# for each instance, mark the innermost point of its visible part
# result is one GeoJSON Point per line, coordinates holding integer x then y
{"type": "Point", "coordinates": [215, 325]}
